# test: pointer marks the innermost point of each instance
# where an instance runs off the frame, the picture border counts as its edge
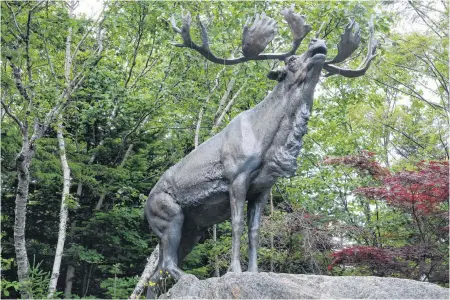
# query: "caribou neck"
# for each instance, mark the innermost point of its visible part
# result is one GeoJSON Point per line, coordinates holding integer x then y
{"type": "Point", "coordinates": [280, 107]}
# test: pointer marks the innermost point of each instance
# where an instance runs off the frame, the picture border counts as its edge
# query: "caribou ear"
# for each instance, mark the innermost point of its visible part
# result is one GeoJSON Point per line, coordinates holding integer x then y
{"type": "Point", "coordinates": [278, 74]}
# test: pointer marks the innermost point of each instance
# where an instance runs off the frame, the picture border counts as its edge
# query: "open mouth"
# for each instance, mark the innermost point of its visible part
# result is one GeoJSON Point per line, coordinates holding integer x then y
{"type": "Point", "coordinates": [319, 50]}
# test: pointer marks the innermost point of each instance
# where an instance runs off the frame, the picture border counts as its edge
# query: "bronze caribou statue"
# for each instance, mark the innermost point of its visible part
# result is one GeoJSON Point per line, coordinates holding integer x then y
{"type": "Point", "coordinates": [242, 162]}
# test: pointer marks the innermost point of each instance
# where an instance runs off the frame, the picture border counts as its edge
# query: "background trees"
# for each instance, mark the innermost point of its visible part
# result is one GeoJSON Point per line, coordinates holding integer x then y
{"type": "Point", "coordinates": [129, 105]}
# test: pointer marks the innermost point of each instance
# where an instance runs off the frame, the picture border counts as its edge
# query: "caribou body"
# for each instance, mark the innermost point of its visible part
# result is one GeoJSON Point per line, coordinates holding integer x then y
{"type": "Point", "coordinates": [241, 163]}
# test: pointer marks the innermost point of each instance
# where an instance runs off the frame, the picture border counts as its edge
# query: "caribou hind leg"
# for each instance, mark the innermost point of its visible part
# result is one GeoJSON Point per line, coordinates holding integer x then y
{"type": "Point", "coordinates": [165, 218]}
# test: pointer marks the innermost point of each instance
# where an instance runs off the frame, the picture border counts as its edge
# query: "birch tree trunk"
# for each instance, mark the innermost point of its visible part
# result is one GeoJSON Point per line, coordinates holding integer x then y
{"type": "Point", "coordinates": [22, 164]}
{"type": "Point", "coordinates": [70, 273]}
{"type": "Point", "coordinates": [216, 256]}
{"type": "Point", "coordinates": [271, 234]}
{"type": "Point", "coordinates": [226, 109]}
{"type": "Point", "coordinates": [26, 154]}
{"type": "Point", "coordinates": [64, 211]}
{"type": "Point", "coordinates": [150, 267]}
{"type": "Point", "coordinates": [202, 109]}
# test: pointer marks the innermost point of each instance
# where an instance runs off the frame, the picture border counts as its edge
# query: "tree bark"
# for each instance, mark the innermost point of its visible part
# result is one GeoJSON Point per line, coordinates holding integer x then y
{"type": "Point", "coordinates": [202, 109]}
{"type": "Point", "coordinates": [150, 267]}
{"type": "Point", "coordinates": [64, 212]}
{"type": "Point", "coordinates": [226, 109]}
{"type": "Point", "coordinates": [70, 274]}
{"type": "Point", "coordinates": [26, 154]}
{"type": "Point", "coordinates": [224, 98]}
{"type": "Point", "coordinates": [271, 233]}
{"type": "Point", "coordinates": [22, 164]}
{"type": "Point", "coordinates": [99, 204]}
{"type": "Point", "coordinates": [216, 256]}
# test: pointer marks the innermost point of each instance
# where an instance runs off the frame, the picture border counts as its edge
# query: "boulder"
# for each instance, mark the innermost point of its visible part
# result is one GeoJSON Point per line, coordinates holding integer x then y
{"type": "Point", "coordinates": [298, 286]}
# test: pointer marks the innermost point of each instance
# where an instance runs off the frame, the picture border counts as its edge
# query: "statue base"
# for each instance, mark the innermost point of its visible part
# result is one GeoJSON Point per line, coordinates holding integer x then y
{"type": "Point", "coordinates": [298, 286]}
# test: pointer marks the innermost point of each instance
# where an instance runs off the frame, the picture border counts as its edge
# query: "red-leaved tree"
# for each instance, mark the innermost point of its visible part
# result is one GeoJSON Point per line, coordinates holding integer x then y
{"type": "Point", "coordinates": [423, 195]}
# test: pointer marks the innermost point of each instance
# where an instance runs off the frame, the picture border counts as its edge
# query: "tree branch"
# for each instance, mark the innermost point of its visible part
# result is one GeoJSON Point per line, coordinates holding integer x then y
{"type": "Point", "coordinates": [444, 145]}
{"type": "Point", "coordinates": [15, 20]}
{"type": "Point", "coordinates": [83, 38]}
{"type": "Point", "coordinates": [433, 105]}
{"type": "Point", "coordinates": [202, 109]}
{"type": "Point", "coordinates": [227, 108]}
{"type": "Point", "coordinates": [422, 16]}
{"type": "Point", "coordinates": [8, 112]}
{"type": "Point", "coordinates": [404, 134]}
{"type": "Point", "coordinates": [47, 54]}
{"type": "Point", "coordinates": [27, 49]}
{"type": "Point", "coordinates": [138, 42]}
{"type": "Point", "coordinates": [17, 73]}
{"type": "Point", "coordinates": [224, 98]}
{"type": "Point", "coordinates": [443, 80]}
{"type": "Point", "coordinates": [144, 69]}
{"type": "Point", "coordinates": [418, 96]}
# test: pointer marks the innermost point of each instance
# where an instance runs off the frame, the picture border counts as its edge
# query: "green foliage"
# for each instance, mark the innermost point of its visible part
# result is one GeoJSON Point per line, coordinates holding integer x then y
{"type": "Point", "coordinates": [135, 115]}
{"type": "Point", "coordinates": [39, 281]}
{"type": "Point", "coordinates": [119, 288]}
{"type": "Point", "coordinates": [6, 285]}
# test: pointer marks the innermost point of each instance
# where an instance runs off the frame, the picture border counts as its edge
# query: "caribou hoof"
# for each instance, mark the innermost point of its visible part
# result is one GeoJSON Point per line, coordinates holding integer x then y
{"type": "Point", "coordinates": [252, 269]}
{"type": "Point", "coordinates": [235, 268]}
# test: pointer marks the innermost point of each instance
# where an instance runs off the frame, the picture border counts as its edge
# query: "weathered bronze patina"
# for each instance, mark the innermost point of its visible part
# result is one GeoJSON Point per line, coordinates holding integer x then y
{"type": "Point", "coordinates": [242, 162]}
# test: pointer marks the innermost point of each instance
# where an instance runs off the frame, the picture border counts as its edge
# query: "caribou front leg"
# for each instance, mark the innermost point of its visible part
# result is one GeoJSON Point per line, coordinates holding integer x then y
{"type": "Point", "coordinates": [238, 192]}
{"type": "Point", "coordinates": [254, 211]}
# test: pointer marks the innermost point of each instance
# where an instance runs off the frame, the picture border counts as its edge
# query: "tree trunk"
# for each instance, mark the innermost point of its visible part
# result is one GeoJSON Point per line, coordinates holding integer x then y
{"type": "Point", "coordinates": [202, 109]}
{"type": "Point", "coordinates": [83, 285]}
{"type": "Point", "coordinates": [88, 281]}
{"type": "Point", "coordinates": [150, 267]}
{"type": "Point", "coordinates": [26, 154]}
{"type": "Point", "coordinates": [216, 256]}
{"type": "Point", "coordinates": [271, 233]}
{"type": "Point", "coordinates": [79, 189]}
{"type": "Point", "coordinates": [226, 109]}
{"type": "Point", "coordinates": [64, 211]}
{"type": "Point", "coordinates": [224, 98]}
{"type": "Point", "coordinates": [70, 274]}
{"type": "Point", "coordinates": [99, 204]}
{"type": "Point", "coordinates": [22, 164]}
{"type": "Point", "coordinates": [69, 282]}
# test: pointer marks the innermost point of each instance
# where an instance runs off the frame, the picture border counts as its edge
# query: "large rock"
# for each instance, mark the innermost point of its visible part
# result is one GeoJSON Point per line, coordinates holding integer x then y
{"type": "Point", "coordinates": [289, 286]}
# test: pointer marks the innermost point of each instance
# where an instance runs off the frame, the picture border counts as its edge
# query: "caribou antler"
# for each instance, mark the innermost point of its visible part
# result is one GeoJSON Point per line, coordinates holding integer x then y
{"type": "Point", "coordinates": [254, 39]}
{"type": "Point", "coordinates": [298, 27]}
{"type": "Point", "coordinates": [348, 44]}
